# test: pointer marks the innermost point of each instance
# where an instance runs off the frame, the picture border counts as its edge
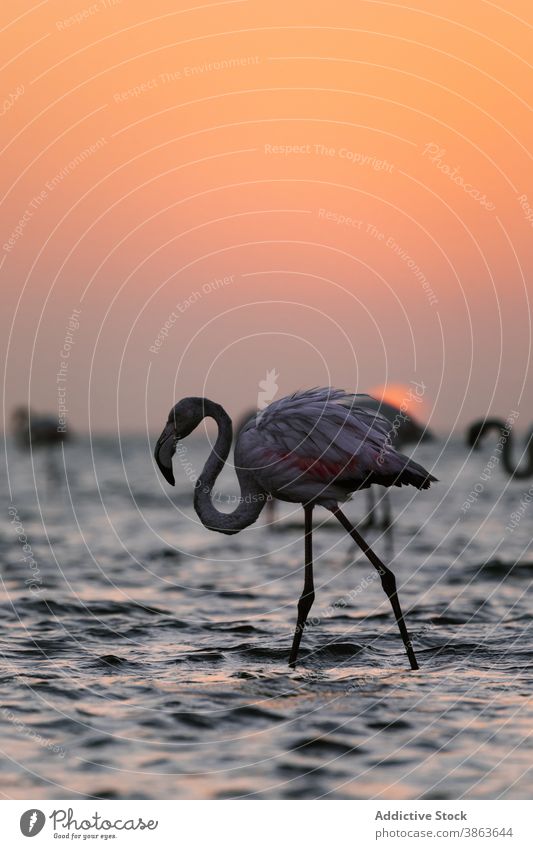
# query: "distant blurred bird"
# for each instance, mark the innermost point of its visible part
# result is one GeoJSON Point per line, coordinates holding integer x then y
{"type": "Point", "coordinates": [31, 430]}
{"type": "Point", "coordinates": [479, 429]}
{"type": "Point", "coordinates": [314, 448]}
{"type": "Point", "coordinates": [403, 430]}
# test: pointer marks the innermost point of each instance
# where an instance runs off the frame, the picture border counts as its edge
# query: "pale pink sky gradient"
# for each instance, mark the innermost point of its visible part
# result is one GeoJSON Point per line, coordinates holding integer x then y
{"type": "Point", "coordinates": [359, 172]}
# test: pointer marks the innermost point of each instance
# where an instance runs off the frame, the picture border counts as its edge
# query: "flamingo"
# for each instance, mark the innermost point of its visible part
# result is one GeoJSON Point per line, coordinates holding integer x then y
{"type": "Point", "coordinates": [479, 429]}
{"type": "Point", "coordinates": [36, 431]}
{"type": "Point", "coordinates": [315, 448]}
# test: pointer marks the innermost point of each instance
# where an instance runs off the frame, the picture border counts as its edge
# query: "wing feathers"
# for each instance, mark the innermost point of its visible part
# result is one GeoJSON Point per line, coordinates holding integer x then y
{"type": "Point", "coordinates": [323, 435]}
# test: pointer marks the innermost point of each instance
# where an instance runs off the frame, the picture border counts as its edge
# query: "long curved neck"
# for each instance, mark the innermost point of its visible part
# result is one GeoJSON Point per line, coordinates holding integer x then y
{"type": "Point", "coordinates": [522, 471]}
{"type": "Point", "coordinates": [506, 438]}
{"type": "Point", "coordinates": [252, 497]}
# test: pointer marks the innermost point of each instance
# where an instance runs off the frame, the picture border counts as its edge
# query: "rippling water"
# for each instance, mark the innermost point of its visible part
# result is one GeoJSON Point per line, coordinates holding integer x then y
{"type": "Point", "coordinates": [146, 657]}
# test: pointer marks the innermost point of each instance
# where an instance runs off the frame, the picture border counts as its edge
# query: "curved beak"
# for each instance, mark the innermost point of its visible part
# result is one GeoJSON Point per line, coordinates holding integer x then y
{"type": "Point", "coordinates": [164, 451]}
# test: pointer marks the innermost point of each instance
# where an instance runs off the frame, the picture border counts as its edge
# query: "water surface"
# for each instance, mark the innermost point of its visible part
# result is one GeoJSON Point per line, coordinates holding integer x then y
{"type": "Point", "coordinates": [146, 657]}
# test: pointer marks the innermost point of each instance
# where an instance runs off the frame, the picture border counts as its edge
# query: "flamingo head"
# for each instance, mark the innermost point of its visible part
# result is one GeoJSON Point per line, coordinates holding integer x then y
{"type": "Point", "coordinates": [183, 418]}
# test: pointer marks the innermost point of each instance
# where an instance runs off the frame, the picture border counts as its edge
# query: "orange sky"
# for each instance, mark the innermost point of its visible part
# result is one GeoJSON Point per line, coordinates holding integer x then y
{"type": "Point", "coordinates": [356, 176]}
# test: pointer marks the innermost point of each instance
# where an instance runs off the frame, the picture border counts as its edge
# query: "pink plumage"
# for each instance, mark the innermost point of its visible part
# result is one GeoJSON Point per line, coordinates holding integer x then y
{"type": "Point", "coordinates": [320, 446]}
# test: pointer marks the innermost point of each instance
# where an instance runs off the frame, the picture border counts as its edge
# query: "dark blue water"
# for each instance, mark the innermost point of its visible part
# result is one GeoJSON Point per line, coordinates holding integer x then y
{"type": "Point", "coordinates": [146, 657]}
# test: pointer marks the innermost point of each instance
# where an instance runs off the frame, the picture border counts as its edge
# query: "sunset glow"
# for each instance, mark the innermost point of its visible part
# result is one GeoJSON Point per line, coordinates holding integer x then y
{"type": "Point", "coordinates": [359, 171]}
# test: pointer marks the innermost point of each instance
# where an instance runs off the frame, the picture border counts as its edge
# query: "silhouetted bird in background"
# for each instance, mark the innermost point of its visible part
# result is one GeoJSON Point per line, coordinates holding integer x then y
{"type": "Point", "coordinates": [31, 430]}
{"type": "Point", "coordinates": [477, 432]}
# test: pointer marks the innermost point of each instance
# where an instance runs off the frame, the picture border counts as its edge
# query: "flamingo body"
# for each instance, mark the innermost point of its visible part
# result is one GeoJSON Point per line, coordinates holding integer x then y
{"type": "Point", "coordinates": [320, 446]}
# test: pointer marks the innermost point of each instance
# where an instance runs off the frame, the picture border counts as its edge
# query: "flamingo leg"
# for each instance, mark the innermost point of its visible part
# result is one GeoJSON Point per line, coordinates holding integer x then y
{"type": "Point", "coordinates": [388, 582]}
{"type": "Point", "coordinates": [308, 593]}
{"type": "Point", "coordinates": [386, 522]}
{"type": "Point", "coordinates": [370, 520]}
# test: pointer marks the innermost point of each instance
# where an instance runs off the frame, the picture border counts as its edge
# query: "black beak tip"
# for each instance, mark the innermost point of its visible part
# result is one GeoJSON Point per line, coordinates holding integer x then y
{"type": "Point", "coordinates": [166, 471]}
{"type": "Point", "coordinates": [168, 474]}
{"type": "Point", "coordinates": [163, 456]}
